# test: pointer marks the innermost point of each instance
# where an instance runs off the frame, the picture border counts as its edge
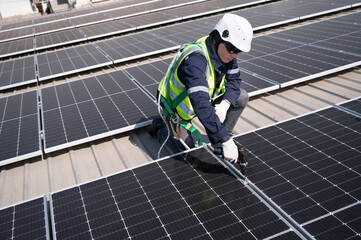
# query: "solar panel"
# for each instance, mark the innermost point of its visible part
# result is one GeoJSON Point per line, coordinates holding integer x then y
{"type": "Point", "coordinates": [19, 127]}
{"type": "Point", "coordinates": [354, 106]}
{"type": "Point", "coordinates": [16, 34]}
{"type": "Point", "coordinates": [300, 54]}
{"type": "Point", "coordinates": [14, 25]}
{"type": "Point", "coordinates": [26, 220]}
{"type": "Point", "coordinates": [17, 72]}
{"type": "Point", "coordinates": [93, 108]}
{"type": "Point", "coordinates": [17, 47]}
{"type": "Point", "coordinates": [110, 28]}
{"type": "Point", "coordinates": [134, 46]}
{"type": "Point", "coordinates": [49, 19]}
{"type": "Point", "coordinates": [151, 19]}
{"type": "Point", "coordinates": [80, 13]}
{"type": "Point", "coordinates": [53, 27]}
{"type": "Point", "coordinates": [309, 167]}
{"type": "Point", "coordinates": [90, 19]}
{"type": "Point", "coordinates": [71, 60]}
{"type": "Point", "coordinates": [58, 38]}
{"type": "Point", "coordinates": [126, 12]}
{"type": "Point", "coordinates": [149, 75]}
{"type": "Point", "coordinates": [189, 196]}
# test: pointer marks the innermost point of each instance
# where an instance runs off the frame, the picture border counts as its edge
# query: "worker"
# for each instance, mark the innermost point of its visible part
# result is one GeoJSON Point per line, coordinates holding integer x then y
{"type": "Point", "coordinates": [206, 78]}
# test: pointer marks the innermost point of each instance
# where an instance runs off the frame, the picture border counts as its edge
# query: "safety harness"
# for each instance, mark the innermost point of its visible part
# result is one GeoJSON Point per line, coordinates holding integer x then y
{"type": "Point", "coordinates": [170, 105]}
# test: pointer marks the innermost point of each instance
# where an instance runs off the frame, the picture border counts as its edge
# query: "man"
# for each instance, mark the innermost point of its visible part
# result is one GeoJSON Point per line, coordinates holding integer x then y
{"type": "Point", "coordinates": [204, 81]}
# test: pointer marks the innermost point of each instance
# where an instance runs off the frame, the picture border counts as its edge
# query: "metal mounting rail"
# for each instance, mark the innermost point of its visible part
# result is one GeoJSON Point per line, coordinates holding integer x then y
{"type": "Point", "coordinates": [288, 220]}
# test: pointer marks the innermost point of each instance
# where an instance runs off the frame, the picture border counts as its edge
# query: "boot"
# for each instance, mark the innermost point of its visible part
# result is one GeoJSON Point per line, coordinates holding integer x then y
{"type": "Point", "coordinates": [157, 124]}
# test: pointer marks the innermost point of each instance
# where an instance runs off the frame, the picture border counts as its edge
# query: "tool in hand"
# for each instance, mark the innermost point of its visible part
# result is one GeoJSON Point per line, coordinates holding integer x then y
{"type": "Point", "coordinates": [241, 160]}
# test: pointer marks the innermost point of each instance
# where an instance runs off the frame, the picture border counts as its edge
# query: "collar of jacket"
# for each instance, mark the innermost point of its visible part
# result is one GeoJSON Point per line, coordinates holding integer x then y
{"type": "Point", "coordinates": [216, 61]}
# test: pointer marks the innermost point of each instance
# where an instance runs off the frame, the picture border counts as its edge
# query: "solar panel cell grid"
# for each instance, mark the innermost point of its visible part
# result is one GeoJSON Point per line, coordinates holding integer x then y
{"type": "Point", "coordinates": [168, 199]}
{"type": "Point", "coordinates": [17, 72]}
{"type": "Point", "coordinates": [52, 27]}
{"type": "Point", "coordinates": [27, 220]}
{"type": "Point", "coordinates": [19, 127]}
{"type": "Point", "coordinates": [96, 30]}
{"type": "Point", "coordinates": [90, 19]}
{"type": "Point", "coordinates": [16, 34]}
{"type": "Point", "coordinates": [16, 47]}
{"type": "Point", "coordinates": [91, 107]}
{"type": "Point", "coordinates": [15, 25]}
{"type": "Point", "coordinates": [70, 60]}
{"type": "Point", "coordinates": [148, 19]}
{"type": "Point", "coordinates": [354, 105]}
{"type": "Point", "coordinates": [59, 38]}
{"type": "Point", "coordinates": [300, 165]}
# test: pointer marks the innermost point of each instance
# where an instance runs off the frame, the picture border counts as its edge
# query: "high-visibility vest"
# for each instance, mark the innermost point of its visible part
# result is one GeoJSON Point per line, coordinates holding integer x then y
{"type": "Point", "coordinates": [175, 89]}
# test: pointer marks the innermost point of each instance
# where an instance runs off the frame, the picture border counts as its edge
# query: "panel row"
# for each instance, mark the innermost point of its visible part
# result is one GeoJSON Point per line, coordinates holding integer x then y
{"type": "Point", "coordinates": [275, 58]}
{"type": "Point", "coordinates": [261, 17]}
{"type": "Point", "coordinates": [61, 22]}
{"type": "Point", "coordinates": [130, 21]}
{"type": "Point", "coordinates": [71, 113]}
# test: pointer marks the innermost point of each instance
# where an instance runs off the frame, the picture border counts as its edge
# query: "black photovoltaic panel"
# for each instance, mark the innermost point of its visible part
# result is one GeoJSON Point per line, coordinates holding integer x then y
{"type": "Point", "coordinates": [53, 27]}
{"type": "Point", "coordinates": [19, 127]}
{"type": "Point", "coordinates": [17, 47]}
{"type": "Point", "coordinates": [71, 60]}
{"type": "Point", "coordinates": [90, 19]}
{"type": "Point", "coordinates": [81, 12]}
{"type": "Point", "coordinates": [340, 34]}
{"type": "Point", "coordinates": [354, 106]}
{"type": "Point", "coordinates": [17, 72]}
{"type": "Point", "coordinates": [134, 46]}
{"type": "Point", "coordinates": [190, 196]}
{"type": "Point", "coordinates": [105, 29]}
{"type": "Point", "coordinates": [125, 12]}
{"type": "Point", "coordinates": [151, 19]}
{"type": "Point", "coordinates": [16, 34]}
{"type": "Point", "coordinates": [26, 220]}
{"type": "Point", "coordinates": [93, 108]}
{"type": "Point", "coordinates": [310, 167]}
{"type": "Point", "coordinates": [149, 75]}
{"type": "Point", "coordinates": [271, 15]}
{"type": "Point", "coordinates": [135, 17]}
{"type": "Point", "coordinates": [15, 25]}
{"type": "Point", "coordinates": [58, 38]}
{"type": "Point", "coordinates": [49, 19]}
{"type": "Point", "coordinates": [300, 54]}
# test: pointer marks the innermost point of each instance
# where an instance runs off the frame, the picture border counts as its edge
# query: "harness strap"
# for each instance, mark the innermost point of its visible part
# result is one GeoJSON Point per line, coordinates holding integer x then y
{"type": "Point", "coordinates": [190, 127]}
{"type": "Point", "coordinates": [180, 122]}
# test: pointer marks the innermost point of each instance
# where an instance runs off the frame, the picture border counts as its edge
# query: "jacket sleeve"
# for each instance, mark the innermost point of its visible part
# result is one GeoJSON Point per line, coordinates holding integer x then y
{"type": "Point", "coordinates": [234, 81]}
{"type": "Point", "coordinates": [192, 73]}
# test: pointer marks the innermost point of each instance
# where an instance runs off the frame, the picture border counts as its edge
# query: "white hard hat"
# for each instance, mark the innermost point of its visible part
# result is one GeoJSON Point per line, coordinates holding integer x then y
{"type": "Point", "coordinates": [236, 30]}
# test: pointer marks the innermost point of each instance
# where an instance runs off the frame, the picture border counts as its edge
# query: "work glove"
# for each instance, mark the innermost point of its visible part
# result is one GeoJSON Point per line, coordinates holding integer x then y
{"type": "Point", "coordinates": [221, 110]}
{"type": "Point", "coordinates": [230, 151]}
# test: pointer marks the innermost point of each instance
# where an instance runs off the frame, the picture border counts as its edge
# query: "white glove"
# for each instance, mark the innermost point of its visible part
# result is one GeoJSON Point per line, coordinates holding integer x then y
{"type": "Point", "coordinates": [230, 151]}
{"type": "Point", "coordinates": [221, 110]}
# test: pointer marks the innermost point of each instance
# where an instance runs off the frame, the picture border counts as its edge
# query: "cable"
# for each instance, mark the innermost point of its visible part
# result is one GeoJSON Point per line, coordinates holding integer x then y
{"type": "Point", "coordinates": [158, 102]}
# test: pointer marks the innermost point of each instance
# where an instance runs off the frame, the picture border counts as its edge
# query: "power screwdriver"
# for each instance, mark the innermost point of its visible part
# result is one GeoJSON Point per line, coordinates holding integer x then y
{"type": "Point", "coordinates": [241, 160]}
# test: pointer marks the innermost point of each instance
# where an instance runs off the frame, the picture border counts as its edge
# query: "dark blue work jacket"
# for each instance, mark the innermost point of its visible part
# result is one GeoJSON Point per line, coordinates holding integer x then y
{"type": "Point", "coordinates": [192, 74]}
